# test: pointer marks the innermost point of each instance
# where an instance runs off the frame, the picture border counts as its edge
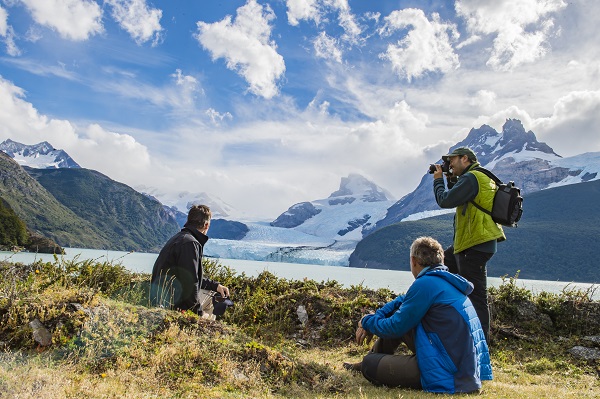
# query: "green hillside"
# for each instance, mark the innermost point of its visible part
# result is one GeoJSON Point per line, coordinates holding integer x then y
{"type": "Point", "coordinates": [129, 219]}
{"type": "Point", "coordinates": [556, 239]}
{"type": "Point", "coordinates": [42, 213]}
{"type": "Point", "coordinates": [13, 231]}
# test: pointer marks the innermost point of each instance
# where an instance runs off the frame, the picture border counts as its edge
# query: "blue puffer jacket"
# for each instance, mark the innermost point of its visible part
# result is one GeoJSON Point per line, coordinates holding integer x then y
{"type": "Point", "coordinates": [451, 349]}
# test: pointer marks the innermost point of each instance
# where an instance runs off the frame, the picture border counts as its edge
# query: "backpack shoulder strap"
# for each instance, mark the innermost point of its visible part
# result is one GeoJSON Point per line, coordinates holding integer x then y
{"type": "Point", "coordinates": [476, 205]}
{"type": "Point", "coordinates": [491, 176]}
{"type": "Point", "coordinates": [488, 174]}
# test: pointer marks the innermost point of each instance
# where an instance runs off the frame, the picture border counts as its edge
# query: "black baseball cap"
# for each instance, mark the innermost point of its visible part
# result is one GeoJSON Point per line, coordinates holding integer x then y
{"type": "Point", "coordinates": [460, 151]}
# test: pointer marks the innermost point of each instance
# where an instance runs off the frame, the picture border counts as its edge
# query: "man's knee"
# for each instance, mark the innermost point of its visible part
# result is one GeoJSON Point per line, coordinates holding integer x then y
{"type": "Point", "coordinates": [370, 364]}
{"type": "Point", "coordinates": [391, 370]}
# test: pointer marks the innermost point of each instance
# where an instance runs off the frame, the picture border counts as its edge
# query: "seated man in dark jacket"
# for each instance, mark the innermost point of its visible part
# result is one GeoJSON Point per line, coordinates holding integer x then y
{"type": "Point", "coordinates": [437, 322]}
{"type": "Point", "coordinates": [177, 276]}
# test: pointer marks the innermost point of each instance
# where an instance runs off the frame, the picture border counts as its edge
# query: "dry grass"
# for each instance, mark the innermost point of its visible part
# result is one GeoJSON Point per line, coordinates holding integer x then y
{"type": "Point", "coordinates": [118, 348]}
{"type": "Point", "coordinates": [37, 376]}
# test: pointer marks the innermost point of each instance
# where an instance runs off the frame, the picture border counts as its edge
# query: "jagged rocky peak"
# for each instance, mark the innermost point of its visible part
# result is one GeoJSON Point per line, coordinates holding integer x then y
{"type": "Point", "coordinates": [512, 154]}
{"type": "Point", "coordinates": [490, 145]}
{"type": "Point", "coordinates": [12, 147]}
{"type": "Point", "coordinates": [41, 156]}
{"type": "Point", "coordinates": [515, 138]}
{"type": "Point", "coordinates": [355, 187]}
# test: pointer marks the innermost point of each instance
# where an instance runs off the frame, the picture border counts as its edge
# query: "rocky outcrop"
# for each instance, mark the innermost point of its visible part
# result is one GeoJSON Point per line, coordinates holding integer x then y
{"type": "Point", "coordinates": [44, 245]}
{"type": "Point", "coordinates": [354, 224]}
{"type": "Point", "coordinates": [296, 215]}
{"type": "Point", "coordinates": [227, 229]}
{"type": "Point", "coordinates": [532, 175]}
{"type": "Point", "coordinates": [581, 352]}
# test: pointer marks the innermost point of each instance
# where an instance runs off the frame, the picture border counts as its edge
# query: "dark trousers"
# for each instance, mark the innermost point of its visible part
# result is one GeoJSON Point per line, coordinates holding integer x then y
{"type": "Point", "coordinates": [471, 264]}
{"type": "Point", "coordinates": [382, 367]}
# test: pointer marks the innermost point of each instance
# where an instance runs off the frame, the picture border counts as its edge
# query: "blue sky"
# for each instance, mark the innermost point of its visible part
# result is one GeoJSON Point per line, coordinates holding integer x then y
{"type": "Point", "coordinates": [268, 103]}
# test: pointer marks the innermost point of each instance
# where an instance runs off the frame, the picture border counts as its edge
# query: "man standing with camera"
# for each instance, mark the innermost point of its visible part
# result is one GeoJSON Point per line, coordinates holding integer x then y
{"type": "Point", "coordinates": [475, 233]}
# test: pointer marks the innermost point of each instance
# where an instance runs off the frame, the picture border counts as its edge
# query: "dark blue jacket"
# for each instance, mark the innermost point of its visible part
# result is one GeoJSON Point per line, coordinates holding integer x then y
{"type": "Point", "coordinates": [451, 349]}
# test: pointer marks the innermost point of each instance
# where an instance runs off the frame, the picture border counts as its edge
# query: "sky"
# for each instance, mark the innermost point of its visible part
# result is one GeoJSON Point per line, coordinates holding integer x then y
{"type": "Point", "coordinates": [265, 104]}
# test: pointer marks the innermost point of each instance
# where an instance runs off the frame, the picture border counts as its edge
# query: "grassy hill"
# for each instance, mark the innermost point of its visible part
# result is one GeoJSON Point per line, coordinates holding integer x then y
{"type": "Point", "coordinates": [42, 213]}
{"type": "Point", "coordinates": [128, 219]}
{"type": "Point", "coordinates": [105, 342]}
{"type": "Point", "coordinates": [556, 238]}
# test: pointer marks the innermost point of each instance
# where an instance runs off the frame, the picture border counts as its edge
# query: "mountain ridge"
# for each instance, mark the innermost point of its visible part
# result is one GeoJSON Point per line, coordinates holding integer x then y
{"type": "Point", "coordinates": [553, 241]}
{"type": "Point", "coordinates": [41, 155]}
{"type": "Point", "coordinates": [41, 211]}
{"type": "Point", "coordinates": [513, 155]}
{"type": "Point", "coordinates": [129, 219]}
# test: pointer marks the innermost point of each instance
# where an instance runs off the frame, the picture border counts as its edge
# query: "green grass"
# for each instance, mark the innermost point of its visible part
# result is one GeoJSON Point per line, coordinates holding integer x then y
{"type": "Point", "coordinates": [107, 342]}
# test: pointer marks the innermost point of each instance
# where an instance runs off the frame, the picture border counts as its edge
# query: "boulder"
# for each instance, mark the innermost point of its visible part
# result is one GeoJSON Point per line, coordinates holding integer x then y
{"type": "Point", "coordinates": [41, 335]}
{"type": "Point", "coordinates": [581, 352]}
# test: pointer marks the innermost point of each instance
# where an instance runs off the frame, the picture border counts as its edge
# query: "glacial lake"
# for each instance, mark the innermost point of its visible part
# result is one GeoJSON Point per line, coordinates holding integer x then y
{"type": "Point", "coordinates": [396, 281]}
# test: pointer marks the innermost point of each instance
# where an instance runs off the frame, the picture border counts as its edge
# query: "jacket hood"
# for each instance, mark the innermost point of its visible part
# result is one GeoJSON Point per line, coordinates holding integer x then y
{"type": "Point", "coordinates": [461, 284]}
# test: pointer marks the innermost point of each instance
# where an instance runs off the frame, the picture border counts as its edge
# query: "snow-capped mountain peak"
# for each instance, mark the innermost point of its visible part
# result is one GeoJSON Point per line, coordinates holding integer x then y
{"type": "Point", "coordinates": [182, 201]}
{"type": "Point", "coordinates": [343, 215]}
{"type": "Point", "coordinates": [512, 154]}
{"type": "Point", "coordinates": [514, 142]}
{"type": "Point", "coordinates": [40, 156]}
{"type": "Point", "coordinates": [359, 187]}
{"type": "Point", "coordinates": [323, 231]}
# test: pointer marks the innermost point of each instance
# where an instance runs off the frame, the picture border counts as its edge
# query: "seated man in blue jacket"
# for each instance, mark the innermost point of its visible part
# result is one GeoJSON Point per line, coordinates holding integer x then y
{"type": "Point", "coordinates": [437, 322]}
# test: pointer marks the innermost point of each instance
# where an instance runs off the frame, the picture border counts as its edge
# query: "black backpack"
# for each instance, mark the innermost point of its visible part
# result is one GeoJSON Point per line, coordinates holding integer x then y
{"type": "Point", "coordinates": [508, 203]}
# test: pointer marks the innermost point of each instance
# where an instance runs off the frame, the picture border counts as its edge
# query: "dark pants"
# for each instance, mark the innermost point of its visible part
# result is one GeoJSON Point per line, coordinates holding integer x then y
{"type": "Point", "coordinates": [381, 367]}
{"type": "Point", "coordinates": [471, 264]}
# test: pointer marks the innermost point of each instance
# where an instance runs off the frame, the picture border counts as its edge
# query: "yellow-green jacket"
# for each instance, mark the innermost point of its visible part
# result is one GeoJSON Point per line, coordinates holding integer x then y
{"type": "Point", "coordinates": [471, 226]}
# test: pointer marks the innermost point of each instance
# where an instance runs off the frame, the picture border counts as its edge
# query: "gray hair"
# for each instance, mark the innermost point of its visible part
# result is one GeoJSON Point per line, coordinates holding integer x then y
{"type": "Point", "coordinates": [428, 251]}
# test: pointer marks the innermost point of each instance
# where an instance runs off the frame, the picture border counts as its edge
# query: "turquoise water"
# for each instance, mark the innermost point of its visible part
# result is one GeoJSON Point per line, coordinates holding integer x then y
{"type": "Point", "coordinates": [397, 281]}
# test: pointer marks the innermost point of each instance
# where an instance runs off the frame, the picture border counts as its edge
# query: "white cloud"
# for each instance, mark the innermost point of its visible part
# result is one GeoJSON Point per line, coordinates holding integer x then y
{"type": "Point", "coordinates": [72, 19]}
{"type": "Point", "coordinates": [317, 10]}
{"type": "Point", "coordinates": [141, 22]}
{"type": "Point", "coordinates": [8, 34]}
{"type": "Point", "coordinates": [571, 129]}
{"type": "Point", "coordinates": [188, 86]}
{"type": "Point", "coordinates": [521, 28]}
{"type": "Point", "coordinates": [579, 112]}
{"type": "Point", "coordinates": [90, 147]}
{"type": "Point", "coordinates": [36, 68]}
{"type": "Point", "coordinates": [33, 34]}
{"type": "Point", "coordinates": [11, 46]}
{"type": "Point", "coordinates": [426, 48]}
{"type": "Point", "coordinates": [246, 46]}
{"type": "Point", "coordinates": [485, 100]}
{"type": "Point", "coordinates": [326, 47]}
{"type": "Point", "coordinates": [352, 29]}
{"type": "Point", "coordinates": [3, 22]}
{"type": "Point", "coordinates": [303, 10]}
{"type": "Point", "coordinates": [179, 95]}
{"type": "Point", "coordinates": [216, 117]}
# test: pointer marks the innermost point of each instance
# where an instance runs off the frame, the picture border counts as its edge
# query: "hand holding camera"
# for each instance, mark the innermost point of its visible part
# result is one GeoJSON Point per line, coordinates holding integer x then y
{"type": "Point", "coordinates": [445, 168]}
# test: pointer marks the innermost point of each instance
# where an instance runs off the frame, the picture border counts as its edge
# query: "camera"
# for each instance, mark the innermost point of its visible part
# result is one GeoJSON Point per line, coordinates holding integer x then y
{"type": "Point", "coordinates": [445, 167]}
